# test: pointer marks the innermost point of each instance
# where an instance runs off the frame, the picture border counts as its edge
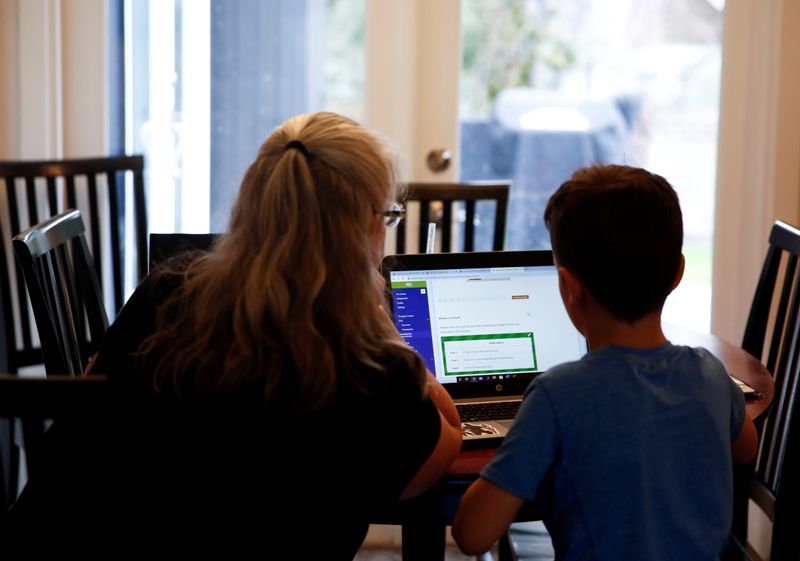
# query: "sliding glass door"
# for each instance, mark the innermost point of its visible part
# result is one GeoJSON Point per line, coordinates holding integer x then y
{"type": "Point", "coordinates": [526, 90]}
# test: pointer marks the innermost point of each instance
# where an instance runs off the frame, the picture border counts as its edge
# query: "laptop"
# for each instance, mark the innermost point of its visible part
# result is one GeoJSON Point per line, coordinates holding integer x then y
{"type": "Point", "coordinates": [165, 246]}
{"type": "Point", "coordinates": [486, 324]}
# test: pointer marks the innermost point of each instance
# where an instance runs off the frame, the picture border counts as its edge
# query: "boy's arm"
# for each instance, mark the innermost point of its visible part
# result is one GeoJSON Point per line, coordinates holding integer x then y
{"type": "Point", "coordinates": [484, 515]}
{"type": "Point", "coordinates": [745, 446]}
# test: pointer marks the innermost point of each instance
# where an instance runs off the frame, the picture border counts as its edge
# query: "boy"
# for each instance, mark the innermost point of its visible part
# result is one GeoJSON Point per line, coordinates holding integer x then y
{"type": "Point", "coordinates": [627, 452]}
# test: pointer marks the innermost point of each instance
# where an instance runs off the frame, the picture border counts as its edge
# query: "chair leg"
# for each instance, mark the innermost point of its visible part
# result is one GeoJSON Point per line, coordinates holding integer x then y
{"type": "Point", "coordinates": [6, 445]}
{"type": "Point", "coordinates": [505, 550]}
{"type": "Point", "coordinates": [10, 458]}
{"type": "Point", "coordinates": [32, 436]}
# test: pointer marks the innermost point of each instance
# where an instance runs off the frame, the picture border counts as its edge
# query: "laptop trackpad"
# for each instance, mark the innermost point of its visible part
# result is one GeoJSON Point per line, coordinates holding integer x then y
{"type": "Point", "coordinates": [477, 430]}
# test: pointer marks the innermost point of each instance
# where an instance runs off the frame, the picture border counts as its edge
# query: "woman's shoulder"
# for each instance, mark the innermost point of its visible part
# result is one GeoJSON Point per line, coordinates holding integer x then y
{"type": "Point", "coordinates": [134, 322]}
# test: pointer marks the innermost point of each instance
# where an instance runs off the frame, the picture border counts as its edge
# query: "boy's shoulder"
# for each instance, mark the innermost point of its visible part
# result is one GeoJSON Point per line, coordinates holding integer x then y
{"type": "Point", "coordinates": [613, 366]}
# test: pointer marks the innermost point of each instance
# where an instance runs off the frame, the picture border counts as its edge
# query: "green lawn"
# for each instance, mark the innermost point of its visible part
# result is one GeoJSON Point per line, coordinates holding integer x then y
{"type": "Point", "coordinates": [698, 256]}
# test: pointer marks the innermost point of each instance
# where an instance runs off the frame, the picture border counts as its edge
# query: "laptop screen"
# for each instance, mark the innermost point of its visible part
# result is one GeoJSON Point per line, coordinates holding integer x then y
{"type": "Point", "coordinates": [481, 319]}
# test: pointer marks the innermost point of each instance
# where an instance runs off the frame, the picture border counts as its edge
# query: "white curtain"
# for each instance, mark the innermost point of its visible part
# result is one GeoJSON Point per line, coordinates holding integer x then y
{"type": "Point", "coordinates": [758, 176]}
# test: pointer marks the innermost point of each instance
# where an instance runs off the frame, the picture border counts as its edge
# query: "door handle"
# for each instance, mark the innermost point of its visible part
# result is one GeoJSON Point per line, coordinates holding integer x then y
{"type": "Point", "coordinates": [439, 159]}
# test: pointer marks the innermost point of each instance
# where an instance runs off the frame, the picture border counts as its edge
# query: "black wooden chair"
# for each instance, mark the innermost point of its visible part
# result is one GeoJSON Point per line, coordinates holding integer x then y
{"type": "Point", "coordinates": [54, 396]}
{"type": "Point", "coordinates": [64, 290]}
{"type": "Point", "coordinates": [484, 202]}
{"type": "Point", "coordinates": [110, 194]}
{"type": "Point", "coordinates": [128, 463]}
{"type": "Point", "coordinates": [438, 204]}
{"type": "Point", "coordinates": [66, 300]}
{"type": "Point", "coordinates": [772, 333]}
{"type": "Point", "coordinates": [774, 486]}
{"type": "Point", "coordinates": [36, 400]}
{"type": "Point", "coordinates": [110, 191]}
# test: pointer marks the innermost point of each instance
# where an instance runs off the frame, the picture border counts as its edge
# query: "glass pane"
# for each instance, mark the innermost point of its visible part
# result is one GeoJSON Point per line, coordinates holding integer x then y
{"type": "Point", "coordinates": [549, 86]}
{"type": "Point", "coordinates": [207, 80]}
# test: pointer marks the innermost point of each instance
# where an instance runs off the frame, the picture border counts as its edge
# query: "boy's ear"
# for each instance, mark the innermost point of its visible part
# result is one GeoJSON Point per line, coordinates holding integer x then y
{"type": "Point", "coordinates": [679, 274]}
{"type": "Point", "coordinates": [571, 286]}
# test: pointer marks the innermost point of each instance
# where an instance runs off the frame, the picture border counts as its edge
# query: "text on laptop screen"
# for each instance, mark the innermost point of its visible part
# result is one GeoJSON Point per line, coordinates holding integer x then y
{"type": "Point", "coordinates": [480, 324]}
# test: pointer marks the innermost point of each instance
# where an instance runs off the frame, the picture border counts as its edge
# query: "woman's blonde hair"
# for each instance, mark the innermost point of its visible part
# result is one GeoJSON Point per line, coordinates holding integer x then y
{"type": "Point", "coordinates": [289, 299]}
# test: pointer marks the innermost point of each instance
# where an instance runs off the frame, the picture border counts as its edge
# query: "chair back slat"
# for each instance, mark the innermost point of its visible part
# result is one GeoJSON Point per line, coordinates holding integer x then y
{"type": "Point", "coordinates": [139, 217]}
{"type": "Point", "coordinates": [94, 222]}
{"type": "Point", "coordinates": [6, 316]}
{"type": "Point", "coordinates": [784, 312]}
{"type": "Point", "coordinates": [786, 332]}
{"type": "Point", "coordinates": [26, 328]}
{"type": "Point", "coordinates": [756, 328]}
{"type": "Point", "coordinates": [93, 318]}
{"type": "Point", "coordinates": [52, 196]}
{"type": "Point", "coordinates": [13, 204]}
{"type": "Point", "coordinates": [500, 217]}
{"type": "Point", "coordinates": [71, 196]}
{"type": "Point", "coordinates": [469, 233]}
{"type": "Point", "coordinates": [64, 310]}
{"type": "Point", "coordinates": [447, 222]}
{"type": "Point", "coordinates": [30, 199]}
{"type": "Point", "coordinates": [400, 242]}
{"type": "Point", "coordinates": [442, 203]}
{"type": "Point", "coordinates": [424, 220]}
{"type": "Point", "coordinates": [114, 233]}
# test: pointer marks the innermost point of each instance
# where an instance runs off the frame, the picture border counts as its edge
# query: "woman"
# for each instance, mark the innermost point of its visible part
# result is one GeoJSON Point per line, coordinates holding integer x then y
{"type": "Point", "coordinates": [284, 318]}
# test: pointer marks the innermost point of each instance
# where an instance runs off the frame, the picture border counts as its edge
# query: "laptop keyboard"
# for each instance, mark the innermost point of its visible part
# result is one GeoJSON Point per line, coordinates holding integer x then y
{"type": "Point", "coordinates": [488, 410]}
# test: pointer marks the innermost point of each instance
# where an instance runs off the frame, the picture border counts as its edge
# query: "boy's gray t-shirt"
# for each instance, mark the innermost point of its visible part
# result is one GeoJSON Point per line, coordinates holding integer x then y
{"type": "Point", "coordinates": [628, 453]}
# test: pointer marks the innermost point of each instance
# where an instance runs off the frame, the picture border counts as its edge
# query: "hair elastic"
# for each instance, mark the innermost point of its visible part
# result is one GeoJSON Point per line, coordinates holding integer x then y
{"type": "Point", "coordinates": [299, 145]}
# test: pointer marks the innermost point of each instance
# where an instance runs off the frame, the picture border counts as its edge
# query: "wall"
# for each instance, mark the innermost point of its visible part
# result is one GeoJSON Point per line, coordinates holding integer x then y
{"type": "Point", "coordinates": [53, 60]}
{"type": "Point", "coordinates": [8, 68]}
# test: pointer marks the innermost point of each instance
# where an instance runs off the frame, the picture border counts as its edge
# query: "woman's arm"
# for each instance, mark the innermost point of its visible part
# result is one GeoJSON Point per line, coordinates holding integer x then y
{"type": "Point", "coordinates": [447, 447]}
{"type": "Point", "coordinates": [484, 515]}
{"type": "Point", "coordinates": [443, 402]}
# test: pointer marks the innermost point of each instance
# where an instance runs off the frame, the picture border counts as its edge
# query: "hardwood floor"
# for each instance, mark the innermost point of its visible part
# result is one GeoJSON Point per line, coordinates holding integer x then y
{"type": "Point", "coordinates": [452, 553]}
{"type": "Point", "coordinates": [383, 544]}
{"type": "Point", "coordinates": [531, 543]}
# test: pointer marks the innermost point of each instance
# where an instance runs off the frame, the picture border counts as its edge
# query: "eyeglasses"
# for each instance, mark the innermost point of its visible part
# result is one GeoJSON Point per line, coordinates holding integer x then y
{"type": "Point", "coordinates": [393, 215]}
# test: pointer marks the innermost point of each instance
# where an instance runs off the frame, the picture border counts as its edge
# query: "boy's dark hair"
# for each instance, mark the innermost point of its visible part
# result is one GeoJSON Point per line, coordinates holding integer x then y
{"type": "Point", "coordinates": [620, 230]}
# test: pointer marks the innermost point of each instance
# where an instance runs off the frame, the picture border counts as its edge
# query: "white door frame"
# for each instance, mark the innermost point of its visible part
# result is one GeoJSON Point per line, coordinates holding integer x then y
{"type": "Point", "coordinates": [412, 69]}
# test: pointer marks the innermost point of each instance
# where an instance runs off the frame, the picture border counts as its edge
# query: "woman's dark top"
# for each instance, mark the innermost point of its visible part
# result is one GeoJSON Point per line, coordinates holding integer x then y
{"type": "Point", "coordinates": [231, 473]}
